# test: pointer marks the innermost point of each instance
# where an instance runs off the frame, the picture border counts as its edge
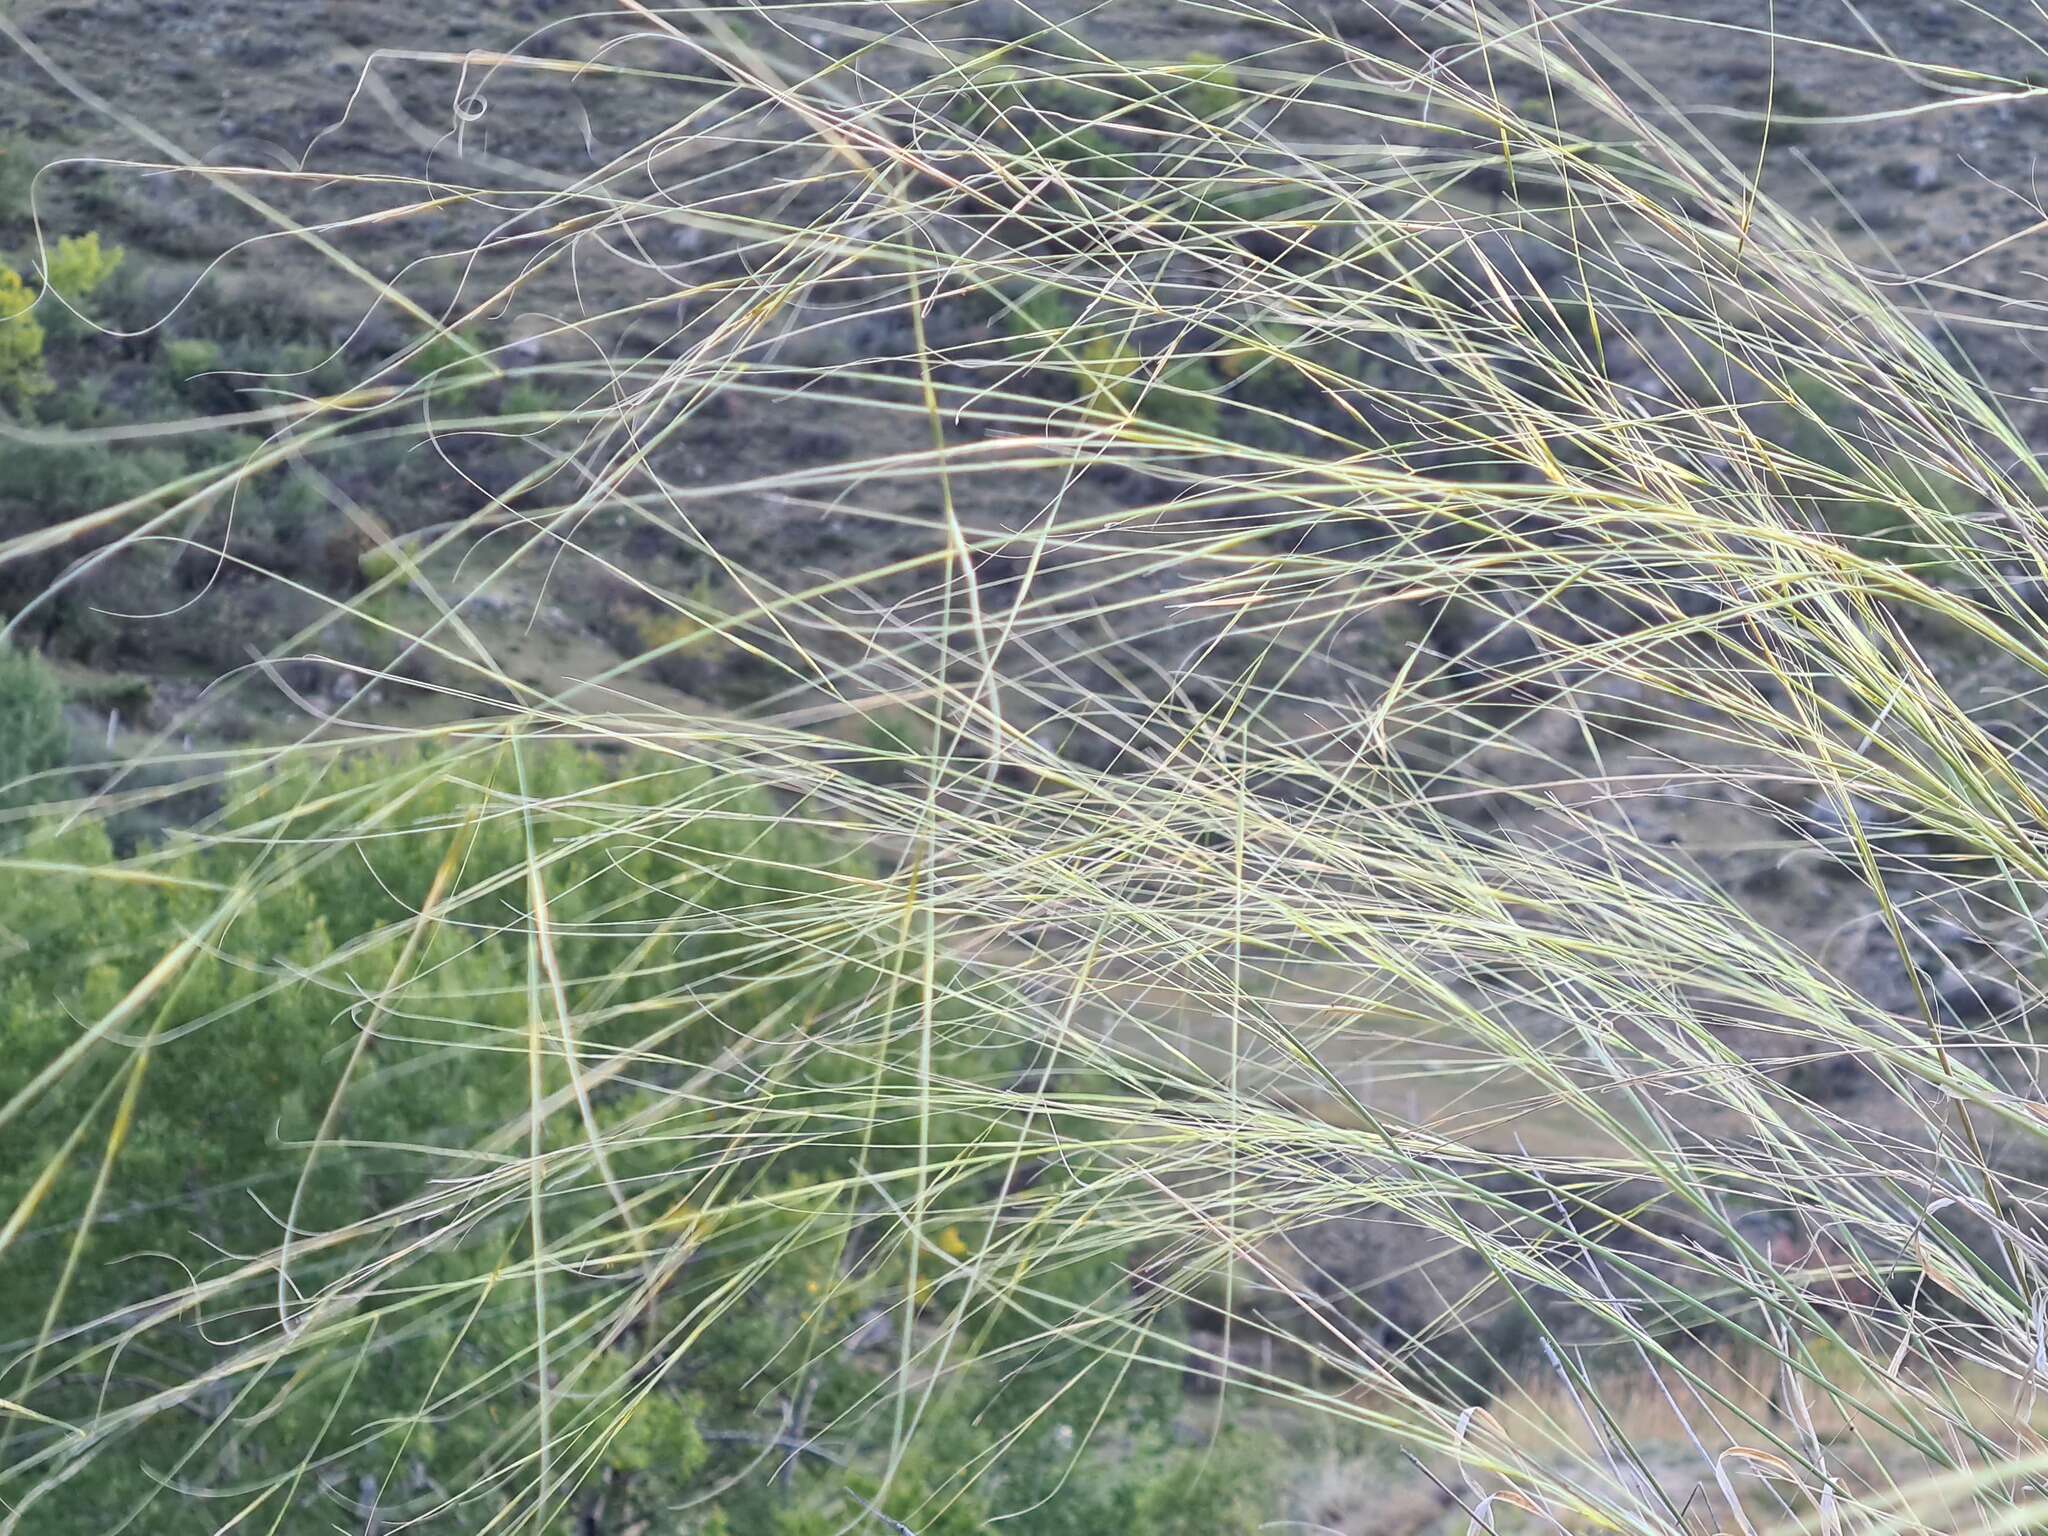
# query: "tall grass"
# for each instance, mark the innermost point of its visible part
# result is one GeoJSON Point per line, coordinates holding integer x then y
{"type": "Point", "coordinates": [1353, 597]}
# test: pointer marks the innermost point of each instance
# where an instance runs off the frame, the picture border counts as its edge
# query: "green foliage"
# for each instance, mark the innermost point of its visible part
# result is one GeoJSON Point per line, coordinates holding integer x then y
{"type": "Point", "coordinates": [1072, 122]}
{"type": "Point", "coordinates": [185, 357]}
{"type": "Point", "coordinates": [1185, 399]}
{"type": "Point", "coordinates": [1224, 1490]}
{"type": "Point", "coordinates": [192, 1184]}
{"type": "Point", "coordinates": [452, 365]}
{"type": "Point", "coordinates": [527, 397]}
{"type": "Point", "coordinates": [1090, 107]}
{"type": "Point", "coordinates": [196, 373]}
{"type": "Point", "coordinates": [82, 406]}
{"type": "Point", "coordinates": [1181, 396]}
{"type": "Point", "coordinates": [1919, 521]}
{"type": "Point", "coordinates": [17, 181]}
{"type": "Point", "coordinates": [79, 266]}
{"type": "Point", "coordinates": [273, 1021]}
{"type": "Point", "coordinates": [63, 480]}
{"type": "Point", "coordinates": [33, 736]}
{"type": "Point", "coordinates": [46, 482]}
{"type": "Point", "coordinates": [889, 739]}
{"type": "Point", "coordinates": [283, 510]}
{"type": "Point", "coordinates": [113, 690]}
{"type": "Point", "coordinates": [1279, 380]}
{"type": "Point", "coordinates": [312, 367]}
{"type": "Point", "coordinates": [1081, 152]}
{"type": "Point", "coordinates": [1004, 94]}
{"type": "Point", "coordinates": [1039, 320]}
{"type": "Point", "coordinates": [704, 646]}
{"type": "Point", "coordinates": [1271, 222]}
{"type": "Point", "coordinates": [76, 268]}
{"type": "Point", "coordinates": [1208, 87]}
{"type": "Point", "coordinates": [1112, 372]}
{"type": "Point", "coordinates": [22, 378]}
{"type": "Point", "coordinates": [1106, 370]}
{"type": "Point", "coordinates": [254, 318]}
{"type": "Point", "coordinates": [660, 1432]}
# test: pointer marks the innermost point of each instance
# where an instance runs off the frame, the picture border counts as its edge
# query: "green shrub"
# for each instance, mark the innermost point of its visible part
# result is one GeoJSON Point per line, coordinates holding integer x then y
{"type": "Point", "coordinates": [1227, 1490]}
{"type": "Point", "coordinates": [76, 269]}
{"type": "Point", "coordinates": [53, 479]}
{"type": "Point", "coordinates": [126, 691]}
{"type": "Point", "coordinates": [696, 647]}
{"type": "Point", "coordinates": [33, 737]}
{"type": "Point", "coordinates": [1111, 371]}
{"type": "Point", "coordinates": [1207, 87]}
{"type": "Point", "coordinates": [191, 366]}
{"type": "Point", "coordinates": [254, 318]}
{"type": "Point", "coordinates": [888, 741]}
{"type": "Point", "coordinates": [287, 507]}
{"type": "Point", "coordinates": [78, 266]}
{"type": "Point", "coordinates": [1069, 121]}
{"type": "Point", "coordinates": [184, 356]}
{"type": "Point", "coordinates": [17, 180]}
{"type": "Point", "coordinates": [1107, 370]}
{"type": "Point", "coordinates": [77, 409]}
{"type": "Point", "coordinates": [451, 365]}
{"type": "Point", "coordinates": [1042, 319]}
{"type": "Point", "coordinates": [306, 367]}
{"type": "Point", "coordinates": [22, 378]}
{"type": "Point", "coordinates": [1185, 398]}
{"type": "Point", "coordinates": [265, 1021]}
{"type": "Point", "coordinates": [1268, 375]}
{"type": "Point", "coordinates": [527, 397]}
{"type": "Point", "coordinates": [1003, 93]}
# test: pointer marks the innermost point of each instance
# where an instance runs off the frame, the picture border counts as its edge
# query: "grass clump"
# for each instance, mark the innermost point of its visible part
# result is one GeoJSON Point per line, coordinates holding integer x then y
{"type": "Point", "coordinates": [1483, 897]}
